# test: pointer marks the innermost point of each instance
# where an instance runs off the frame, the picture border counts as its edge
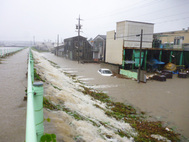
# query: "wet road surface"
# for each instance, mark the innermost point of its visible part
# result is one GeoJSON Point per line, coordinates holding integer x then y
{"type": "Point", "coordinates": [12, 90]}
{"type": "Point", "coordinates": [165, 101]}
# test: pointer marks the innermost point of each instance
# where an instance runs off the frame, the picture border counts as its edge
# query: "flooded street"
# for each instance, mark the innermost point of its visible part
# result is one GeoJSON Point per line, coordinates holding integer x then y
{"type": "Point", "coordinates": [79, 118]}
{"type": "Point", "coordinates": [12, 90]}
{"type": "Point", "coordinates": [166, 101]}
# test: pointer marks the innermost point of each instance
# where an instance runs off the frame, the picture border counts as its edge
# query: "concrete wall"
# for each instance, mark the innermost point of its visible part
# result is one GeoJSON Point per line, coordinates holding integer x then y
{"type": "Point", "coordinates": [137, 44]}
{"type": "Point", "coordinates": [128, 29]}
{"type": "Point", "coordinates": [129, 74]}
{"type": "Point", "coordinates": [114, 49]}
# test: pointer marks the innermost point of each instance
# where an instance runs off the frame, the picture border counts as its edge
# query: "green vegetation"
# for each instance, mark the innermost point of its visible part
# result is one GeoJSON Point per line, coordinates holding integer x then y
{"type": "Point", "coordinates": [57, 88]}
{"type": "Point", "coordinates": [48, 119]}
{"type": "Point", "coordinates": [97, 95]}
{"type": "Point", "coordinates": [78, 138]}
{"type": "Point", "coordinates": [49, 105]}
{"type": "Point", "coordinates": [119, 111]}
{"type": "Point", "coordinates": [48, 138]}
{"type": "Point", "coordinates": [26, 90]}
{"type": "Point", "coordinates": [53, 64]}
{"type": "Point", "coordinates": [73, 76]}
{"type": "Point", "coordinates": [37, 76]}
{"type": "Point", "coordinates": [127, 113]}
{"type": "Point", "coordinates": [71, 113]}
{"type": "Point", "coordinates": [123, 134]}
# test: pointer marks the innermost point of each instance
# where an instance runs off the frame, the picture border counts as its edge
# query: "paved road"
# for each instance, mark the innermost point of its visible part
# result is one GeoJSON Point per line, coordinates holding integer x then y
{"type": "Point", "coordinates": [13, 83]}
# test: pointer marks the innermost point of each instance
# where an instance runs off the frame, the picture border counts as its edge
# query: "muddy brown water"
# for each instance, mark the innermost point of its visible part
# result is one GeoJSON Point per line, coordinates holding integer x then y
{"type": "Point", "coordinates": [12, 90]}
{"type": "Point", "coordinates": [166, 101]}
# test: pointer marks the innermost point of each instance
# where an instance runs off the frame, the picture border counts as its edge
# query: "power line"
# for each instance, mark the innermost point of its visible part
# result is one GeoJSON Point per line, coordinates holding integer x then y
{"type": "Point", "coordinates": [168, 16]}
{"type": "Point", "coordinates": [172, 20]}
{"type": "Point", "coordinates": [158, 11]}
{"type": "Point", "coordinates": [130, 8]}
{"type": "Point", "coordinates": [137, 35]}
{"type": "Point", "coordinates": [136, 4]}
{"type": "Point", "coordinates": [145, 5]}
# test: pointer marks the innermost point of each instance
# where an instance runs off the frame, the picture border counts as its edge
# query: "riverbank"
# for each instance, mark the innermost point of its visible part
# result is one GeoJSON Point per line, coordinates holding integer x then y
{"type": "Point", "coordinates": [64, 89]}
{"type": "Point", "coordinates": [164, 101]}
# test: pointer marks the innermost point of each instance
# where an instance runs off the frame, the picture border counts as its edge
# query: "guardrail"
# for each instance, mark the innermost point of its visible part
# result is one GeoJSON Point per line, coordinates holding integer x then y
{"type": "Point", "coordinates": [34, 117]}
{"type": "Point", "coordinates": [7, 51]}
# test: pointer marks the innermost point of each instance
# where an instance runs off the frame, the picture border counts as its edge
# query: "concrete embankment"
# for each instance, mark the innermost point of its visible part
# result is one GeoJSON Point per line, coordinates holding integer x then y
{"type": "Point", "coordinates": [80, 113]}
{"type": "Point", "coordinates": [13, 83]}
{"type": "Point", "coordinates": [166, 101]}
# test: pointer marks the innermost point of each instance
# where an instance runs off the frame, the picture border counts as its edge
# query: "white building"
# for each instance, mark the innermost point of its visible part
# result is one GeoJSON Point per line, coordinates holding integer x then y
{"type": "Point", "coordinates": [126, 37]}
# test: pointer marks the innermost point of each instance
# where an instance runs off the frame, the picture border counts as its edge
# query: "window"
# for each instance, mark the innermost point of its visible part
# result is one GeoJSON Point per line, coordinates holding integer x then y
{"type": "Point", "coordinates": [178, 40]}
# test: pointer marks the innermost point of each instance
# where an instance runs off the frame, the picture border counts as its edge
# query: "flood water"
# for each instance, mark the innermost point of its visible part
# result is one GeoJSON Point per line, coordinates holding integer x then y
{"type": "Point", "coordinates": [5, 50]}
{"type": "Point", "coordinates": [13, 83]}
{"type": "Point", "coordinates": [165, 101]}
{"type": "Point", "coordinates": [64, 91]}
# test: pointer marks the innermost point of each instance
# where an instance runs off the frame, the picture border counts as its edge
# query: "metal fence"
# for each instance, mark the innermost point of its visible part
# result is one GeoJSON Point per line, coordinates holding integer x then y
{"type": "Point", "coordinates": [34, 118]}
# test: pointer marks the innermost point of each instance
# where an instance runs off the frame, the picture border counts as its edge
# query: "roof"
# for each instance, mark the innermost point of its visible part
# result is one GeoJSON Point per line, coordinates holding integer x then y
{"type": "Point", "coordinates": [74, 37]}
{"type": "Point", "coordinates": [101, 36]}
{"type": "Point", "coordinates": [136, 22]}
{"type": "Point", "coordinates": [172, 32]}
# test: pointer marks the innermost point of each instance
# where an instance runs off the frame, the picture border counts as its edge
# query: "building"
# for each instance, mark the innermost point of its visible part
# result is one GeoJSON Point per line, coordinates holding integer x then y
{"type": "Point", "coordinates": [173, 39]}
{"type": "Point", "coordinates": [75, 51]}
{"type": "Point", "coordinates": [99, 48]}
{"type": "Point", "coordinates": [114, 49]}
{"type": "Point", "coordinates": [59, 50]}
{"type": "Point", "coordinates": [126, 36]}
{"type": "Point", "coordinates": [123, 48]}
{"type": "Point", "coordinates": [128, 31]}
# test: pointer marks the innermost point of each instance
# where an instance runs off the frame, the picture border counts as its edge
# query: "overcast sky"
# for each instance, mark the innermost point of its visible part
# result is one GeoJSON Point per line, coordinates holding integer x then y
{"type": "Point", "coordinates": [21, 20]}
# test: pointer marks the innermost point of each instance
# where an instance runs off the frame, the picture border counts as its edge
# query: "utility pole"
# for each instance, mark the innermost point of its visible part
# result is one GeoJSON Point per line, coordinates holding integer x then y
{"type": "Point", "coordinates": [139, 68]}
{"type": "Point", "coordinates": [78, 28]}
{"type": "Point", "coordinates": [57, 40]}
